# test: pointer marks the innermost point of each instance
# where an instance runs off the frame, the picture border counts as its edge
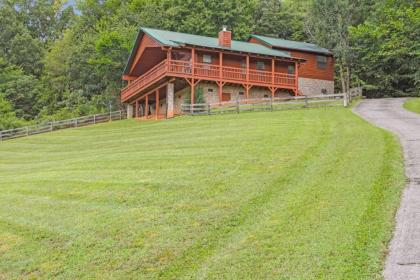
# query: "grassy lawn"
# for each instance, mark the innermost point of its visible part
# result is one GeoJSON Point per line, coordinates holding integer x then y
{"type": "Point", "coordinates": [304, 194]}
{"type": "Point", "coordinates": [413, 105]}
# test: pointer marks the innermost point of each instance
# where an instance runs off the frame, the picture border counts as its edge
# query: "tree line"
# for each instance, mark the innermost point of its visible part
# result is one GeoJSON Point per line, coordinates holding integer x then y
{"type": "Point", "coordinates": [60, 60]}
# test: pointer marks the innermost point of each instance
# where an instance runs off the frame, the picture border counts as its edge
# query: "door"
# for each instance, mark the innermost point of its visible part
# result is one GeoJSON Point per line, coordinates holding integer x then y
{"type": "Point", "coordinates": [225, 96]}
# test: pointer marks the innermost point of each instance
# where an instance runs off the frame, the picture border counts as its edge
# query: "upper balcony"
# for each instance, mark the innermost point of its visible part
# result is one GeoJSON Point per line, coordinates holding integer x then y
{"type": "Point", "coordinates": [208, 72]}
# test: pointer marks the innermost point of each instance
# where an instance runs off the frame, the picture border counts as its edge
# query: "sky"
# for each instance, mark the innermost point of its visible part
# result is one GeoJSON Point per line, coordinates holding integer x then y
{"type": "Point", "coordinates": [72, 3]}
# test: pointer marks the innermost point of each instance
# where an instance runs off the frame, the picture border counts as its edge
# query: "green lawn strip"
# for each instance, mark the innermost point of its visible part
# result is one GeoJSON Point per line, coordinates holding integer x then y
{"type": "Point", "coordinates": [291, 194]}
{"type": "Point", "coordinates": [244, 217]}
{"type": "Point", "coordinates": [413, 104]}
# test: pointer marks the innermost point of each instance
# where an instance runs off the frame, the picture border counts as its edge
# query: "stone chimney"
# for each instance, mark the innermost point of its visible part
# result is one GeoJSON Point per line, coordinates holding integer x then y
{"type": "Point", "coordinates": [225, 38]}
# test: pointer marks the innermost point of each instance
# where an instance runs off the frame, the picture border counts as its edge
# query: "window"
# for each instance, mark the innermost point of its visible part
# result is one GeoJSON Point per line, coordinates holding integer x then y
{"type": "Point", "coordinates": [260, 65]}
{"type": "Point", "coordinates": [241, 93]}
{"type": "Point", "coordinates": [324, 91]}
{"type": "Point", "coordinates": [243, 67]}
{"type": "Point", "coordinates": [321, 61]}
{"type": "Point", "coordinates": [209, 90]}
{"type": "Point", "coordinates": [206, 58]}
{"type": "Point", "coordinates": [291, 69]}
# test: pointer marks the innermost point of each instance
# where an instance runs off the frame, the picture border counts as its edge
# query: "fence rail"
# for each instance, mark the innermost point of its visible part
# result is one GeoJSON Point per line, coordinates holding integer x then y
{"type": "Point", "coordinates": [269, 104]}
{"type": "Point", "coordinates": [56, 125]}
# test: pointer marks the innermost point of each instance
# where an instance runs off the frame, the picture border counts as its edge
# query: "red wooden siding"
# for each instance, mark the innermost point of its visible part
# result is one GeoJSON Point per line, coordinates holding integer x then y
{"type": "Point", "coordinates": [239, 61]}
{"type": "Point", "coordinates": [147, 61]}
{"type": "Point", "coordinates": [154, 65]}
{"type": "Point", "coordinates": [308, 69]}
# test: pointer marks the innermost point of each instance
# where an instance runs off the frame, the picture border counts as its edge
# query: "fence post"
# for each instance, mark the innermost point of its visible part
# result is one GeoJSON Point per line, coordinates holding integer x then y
{"type": "Point", "coordinates": [208, 109]}
{"type": "Point", "coordinates": [306, 102]}
{"type": "Point", "coordinates": [110, 116]}
{"type": "Point", "coordinates": [1, 136]}
{"type": "Point", "coordinates": [27, 131]}
{"type": "Point", "coordinates": [237, 106]}
{"type": "Point", "coordinates": [51, 125]}
{"type": "Point", "coordinates": [120, 115]}
{"type": "Point", "coordinates": [94, 119]}
{"type": "Point", "coordinates": [75, 122]}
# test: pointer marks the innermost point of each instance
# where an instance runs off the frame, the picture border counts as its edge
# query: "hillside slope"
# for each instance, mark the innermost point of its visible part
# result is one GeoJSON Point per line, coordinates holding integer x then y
{"type": "Point", "coordinates": [306, 194]}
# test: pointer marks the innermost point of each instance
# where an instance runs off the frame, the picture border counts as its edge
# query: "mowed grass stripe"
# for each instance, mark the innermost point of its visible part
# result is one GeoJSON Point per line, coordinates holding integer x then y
{"type": "Point", "coordinates": [413, 104]}
{"type": "Point", "coordinates": [285, 195]}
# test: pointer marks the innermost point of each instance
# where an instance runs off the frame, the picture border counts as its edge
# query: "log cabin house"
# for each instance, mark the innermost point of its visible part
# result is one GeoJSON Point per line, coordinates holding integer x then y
{"type": "Point", "coordinates": [165, 68]}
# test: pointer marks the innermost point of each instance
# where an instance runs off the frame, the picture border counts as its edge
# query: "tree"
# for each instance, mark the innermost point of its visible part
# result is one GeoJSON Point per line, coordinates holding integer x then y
{"type": "Point", "coordinates": [21, 90]}
{"type": "Point", "coordinates": [387, 50]}
{"type": "Point", "coordinates": [328, 25]}
{"type": "Point", "coordinates": [16, 44]}
{"type": "Point", "coordinates": [8, 117]}
{"type": "Point", "coordinates": [45, 19]}
{"type": "Point", "coordinates": [203, 17]}
{"type": "Point", "coordinates": [283, 19]}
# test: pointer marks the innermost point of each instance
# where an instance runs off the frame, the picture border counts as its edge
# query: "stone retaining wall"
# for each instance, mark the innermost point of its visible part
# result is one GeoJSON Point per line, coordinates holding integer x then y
{"type": "Point", "coordinates": [315, 87]}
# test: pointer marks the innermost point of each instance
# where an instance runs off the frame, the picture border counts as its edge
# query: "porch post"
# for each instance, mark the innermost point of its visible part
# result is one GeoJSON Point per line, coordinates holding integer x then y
{"type": "Point", "coordinates": [192, 91]}
{"type": "Point", "coordinates": [157, 104]}
{"type": "Point", "coordinates": [129, 111]}
{"type": "Point", "coordinates": [247, 77]}
{"type": "Point", "coordinates": [296, 78]}
{"type": "Point", "coordinates": [137, 109]}
{"type": "Point", "coordinates": [170, 100]}
{"type": "Point", "coordinates": [193, 74]}
{"type": "Point", "coordinates": [146, 109]}
{"type": "Point", "coordinates": [272, 76]}
{"type": "Point", "coordinates": [220, 76]}
{"type": "Point", "coordinates": [220, 84]}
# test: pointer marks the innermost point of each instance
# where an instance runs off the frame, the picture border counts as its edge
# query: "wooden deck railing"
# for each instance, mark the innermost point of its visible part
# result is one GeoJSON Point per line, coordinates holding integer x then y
{"type": "Point", "coordinates": [154, 74]}
{"type": "Point", "coordinates": [178, 68]}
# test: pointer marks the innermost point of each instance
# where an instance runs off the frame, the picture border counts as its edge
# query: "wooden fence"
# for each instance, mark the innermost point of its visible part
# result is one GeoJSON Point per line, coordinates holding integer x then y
{"type": "Point", "coordinates": [56, 125]}
{"type": "Point", "coordinates": [261, 104]}
{"type": "Point", "coordinates": [356, 92]}
{"type": "Point", "coordinates": [270, 104]}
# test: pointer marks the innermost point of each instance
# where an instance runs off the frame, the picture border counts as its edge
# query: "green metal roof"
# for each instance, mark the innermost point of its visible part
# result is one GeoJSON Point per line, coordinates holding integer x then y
{"type": "Point", "coordinates": [177, 39]}
{"type": "Point", "coordinates": [293, 45]}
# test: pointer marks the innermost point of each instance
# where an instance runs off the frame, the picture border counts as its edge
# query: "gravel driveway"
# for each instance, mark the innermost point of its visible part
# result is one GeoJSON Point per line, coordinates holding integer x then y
{"type": "Point", "coordinates": [403, 260]}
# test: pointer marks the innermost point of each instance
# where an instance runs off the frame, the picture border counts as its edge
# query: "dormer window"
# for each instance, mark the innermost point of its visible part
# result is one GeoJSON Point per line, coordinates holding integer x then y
{"type": "Point", "coordinates": [207, 58]}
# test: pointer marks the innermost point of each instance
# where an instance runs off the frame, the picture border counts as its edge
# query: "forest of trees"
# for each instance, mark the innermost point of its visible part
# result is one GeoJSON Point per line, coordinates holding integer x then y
{"type": "Point", "coordinates": [60, 60]}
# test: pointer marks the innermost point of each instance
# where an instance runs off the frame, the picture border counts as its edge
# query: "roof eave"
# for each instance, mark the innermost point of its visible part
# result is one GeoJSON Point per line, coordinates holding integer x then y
{"type": "Point", "coordinates": [243, 52]}
{"type": "Point", "coordinates": [328, 52]}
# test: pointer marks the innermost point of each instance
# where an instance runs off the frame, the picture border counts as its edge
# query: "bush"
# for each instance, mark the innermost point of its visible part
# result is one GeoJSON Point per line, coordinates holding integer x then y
{"type": "Point", "coordinates": [8, 117]}
{"type": "Point", "coordinates": [198, 96]}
